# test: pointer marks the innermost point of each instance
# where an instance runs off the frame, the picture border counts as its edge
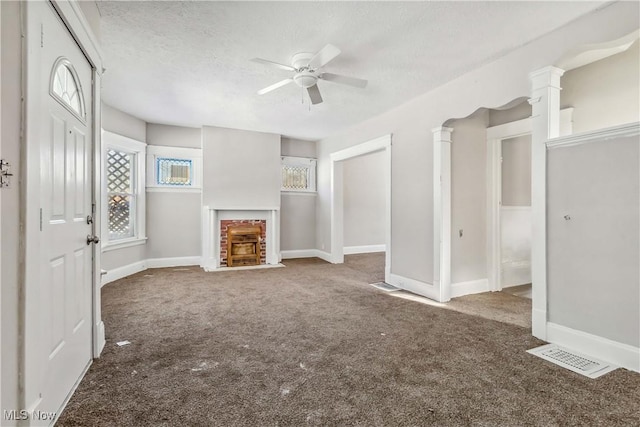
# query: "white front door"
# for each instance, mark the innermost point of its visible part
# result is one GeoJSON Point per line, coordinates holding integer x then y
{"type": "Point", "coordinates": [66, 150]}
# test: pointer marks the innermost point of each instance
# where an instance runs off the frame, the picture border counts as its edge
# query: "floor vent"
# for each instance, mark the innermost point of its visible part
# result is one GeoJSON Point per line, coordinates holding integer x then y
{"type": "Point", "coordinates": [384, 286]}
{"type": "Point", "coordinates": [576, 362]}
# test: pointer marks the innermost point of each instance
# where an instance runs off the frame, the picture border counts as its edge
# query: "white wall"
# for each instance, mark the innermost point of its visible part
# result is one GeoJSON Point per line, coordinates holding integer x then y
{"type": "Point", "coordinates": [604, 93]}
{"type": "Point", "coordinates": [468, 198]}
{"type": "Point", "coordinates": [10, 210]}
{"type": "Point", "coordinates": [516, 171]}
{"type": "Point", "coordinates": [491, 85]}
{"type": "Point", "coordinates": [297, 210]}
{"type": "Point", "coordinates": [241, 168]}
{"type": "Point", "coordinates": [173, 218]}
{"type": "Point", "coordinates": [511, 113]}
{"type": "Point", "coordinates": [364, 200]}
{"type": "Point", "coordinates": [124, 124]}
{"type": "Point", "coordinates": [593, 277]}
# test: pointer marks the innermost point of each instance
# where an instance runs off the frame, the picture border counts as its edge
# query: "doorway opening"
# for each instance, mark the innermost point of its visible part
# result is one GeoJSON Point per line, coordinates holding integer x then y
{"type": "Point", "coordinates": [379, 147]}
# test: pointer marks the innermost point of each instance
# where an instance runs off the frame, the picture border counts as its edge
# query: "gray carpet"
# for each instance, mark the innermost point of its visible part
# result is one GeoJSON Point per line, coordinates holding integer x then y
{"type": "Point", "coordinates": [314, 344]}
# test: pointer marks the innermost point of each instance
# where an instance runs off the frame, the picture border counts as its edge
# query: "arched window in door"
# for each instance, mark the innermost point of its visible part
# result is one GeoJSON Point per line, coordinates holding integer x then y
{"type": "Point", "coordinates": [65, 87]}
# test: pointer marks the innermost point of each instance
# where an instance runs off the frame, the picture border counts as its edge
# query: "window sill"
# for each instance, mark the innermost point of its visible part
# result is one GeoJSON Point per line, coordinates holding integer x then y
{"type": "Point", "coordinates": [125, 243]}
{"type": "Point", "coordinates": [169, 189]}
{"type": "Point", "coordinates": [299, 193]}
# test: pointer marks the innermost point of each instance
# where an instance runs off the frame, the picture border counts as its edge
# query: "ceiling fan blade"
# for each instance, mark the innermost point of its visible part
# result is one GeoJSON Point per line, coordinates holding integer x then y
{"type": "Point", "coordinates": [274, 64]}
{"type": "Point", "coordinates": [314, 94]}
{"type": "Point", "coordinates": [345, 80]}
{"type": "Point", "coordinates": [323, 57]}
{"type": "Point", "coordinates": [274, 86]}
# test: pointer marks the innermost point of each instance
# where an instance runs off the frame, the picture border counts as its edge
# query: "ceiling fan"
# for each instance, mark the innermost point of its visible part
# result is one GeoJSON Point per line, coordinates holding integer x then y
{"type": "Point", "coordinates": [307, 69]}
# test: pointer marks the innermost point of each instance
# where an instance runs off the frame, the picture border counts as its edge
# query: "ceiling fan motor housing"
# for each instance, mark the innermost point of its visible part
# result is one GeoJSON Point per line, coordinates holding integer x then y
{"type": "Point", "coordinates": [305, 78]}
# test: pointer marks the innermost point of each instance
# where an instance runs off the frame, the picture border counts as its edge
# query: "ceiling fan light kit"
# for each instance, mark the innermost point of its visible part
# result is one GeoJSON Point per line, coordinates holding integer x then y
{"type": "Point", "coordinates": [306, 67]}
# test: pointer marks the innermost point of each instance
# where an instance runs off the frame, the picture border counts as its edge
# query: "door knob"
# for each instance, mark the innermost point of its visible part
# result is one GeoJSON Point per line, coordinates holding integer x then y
{"type": "Point", "coordinates": [92, 239]}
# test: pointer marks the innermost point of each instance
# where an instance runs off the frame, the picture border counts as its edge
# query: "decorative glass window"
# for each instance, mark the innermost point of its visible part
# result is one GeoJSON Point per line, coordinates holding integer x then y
{"type": "Point", "coordinates": [65, 87]}
{"type": "Point", "coordinates": [121, 197]}
{"type": "Point", "coordinates": [123, 191]}
{"type": "Point", "coordinates": [298, 174]}
{"type": "Point", "coordinates": [173, 171]}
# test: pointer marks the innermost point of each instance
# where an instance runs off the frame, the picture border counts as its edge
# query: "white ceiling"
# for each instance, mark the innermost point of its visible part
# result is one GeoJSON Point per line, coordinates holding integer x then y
{"type": "Point", "coordinates": [188, 63]}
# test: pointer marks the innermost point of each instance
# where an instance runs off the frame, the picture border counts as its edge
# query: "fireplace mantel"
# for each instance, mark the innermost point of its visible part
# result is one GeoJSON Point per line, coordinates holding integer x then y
{"type": "Point", "coordinates": [211, 217]}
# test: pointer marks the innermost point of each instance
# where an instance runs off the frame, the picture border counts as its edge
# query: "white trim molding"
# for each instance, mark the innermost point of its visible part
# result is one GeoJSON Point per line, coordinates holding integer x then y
{"type": "Point", "coordinates": [615, 352]}
{"type": "Point", "coordinates": [325, 256]}
{"type": "Point", "coordinates": [545, 124]}
{"type": "Point", "coordinates": [124, 271]}
{"type": "Point", "coordinates": [442, 212]}
{"type": "Point", "coordinates": [425, 289]}
{"type": "Point", "coordinates": [184, 261]}
{"type": "Point", "coordinates": [366, 249]}
{"type": "Point", "coordinates": [469, 287]}
{"type": "Point", "coordinates": [621, 131]}
{"type": "Point", "coordinates": [299, 253]}
{"type": "Point", "coordinates": [382, 143]}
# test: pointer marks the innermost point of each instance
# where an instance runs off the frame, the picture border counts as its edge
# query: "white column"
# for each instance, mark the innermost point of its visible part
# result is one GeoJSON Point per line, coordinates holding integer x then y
{"type": "Point", "coordinates": [545, 124]}
{"type": "Point", "coordinates": [442, 212]}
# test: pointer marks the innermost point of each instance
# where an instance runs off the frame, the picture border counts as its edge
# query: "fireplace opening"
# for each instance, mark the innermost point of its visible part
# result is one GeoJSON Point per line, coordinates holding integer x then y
{"type": "Point", "coordinates": [244, 245]}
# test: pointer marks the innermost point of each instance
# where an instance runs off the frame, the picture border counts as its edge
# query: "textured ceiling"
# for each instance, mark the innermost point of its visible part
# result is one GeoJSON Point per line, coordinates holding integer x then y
{"type": "Point", "coordinates": [188, 63]}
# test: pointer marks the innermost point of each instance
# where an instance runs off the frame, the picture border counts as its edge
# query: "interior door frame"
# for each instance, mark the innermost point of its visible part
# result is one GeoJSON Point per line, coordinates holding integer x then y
{"type": "Point", "coordinates": [382, 143]}
{"type": "Point", "coordinates": [495, 136]}
{"type": "Point", "coordinates": [69, 11]}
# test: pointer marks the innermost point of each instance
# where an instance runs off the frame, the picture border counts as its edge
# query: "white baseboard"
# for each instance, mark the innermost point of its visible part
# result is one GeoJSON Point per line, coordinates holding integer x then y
{"type": "Point", "coordinates": [412, 285]}
{"type": "Point", "coordinates": [351, 250]}
{"type": "Point", "coordinates": [516, 273]}
{"type": "Point", "coordinates": [124, 271]}
{"type": "Point", "coordinates": [539, 323]}
{"type": "Point", "coordinates": [300, 253]}
{"type": "Point", "coordinates": [173, 262]}
{"type": "Point", "coordinates": [100, 339]}
{"type": "Point", "coordinates": [326, 256]}
{"type": "Point", "coordinates": [471, 287]}
{"type": "Point", "coordinates": [614, 352]}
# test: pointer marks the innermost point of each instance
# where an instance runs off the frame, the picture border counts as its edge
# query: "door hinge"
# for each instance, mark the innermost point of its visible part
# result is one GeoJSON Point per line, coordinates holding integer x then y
{"type": "Point", "coordinates": [4, 173]}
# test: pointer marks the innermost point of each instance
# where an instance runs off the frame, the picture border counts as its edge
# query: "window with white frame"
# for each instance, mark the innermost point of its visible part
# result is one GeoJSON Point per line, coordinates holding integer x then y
{"type": "Point", "coordinates": [123, 191]}
{"type": "Point", "coordinates": [173, 168]}
{"type": "Point", "coordinates": [298, 174]}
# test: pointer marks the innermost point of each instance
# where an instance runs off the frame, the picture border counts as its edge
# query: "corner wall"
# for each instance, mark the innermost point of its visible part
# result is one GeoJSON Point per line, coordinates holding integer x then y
{"type": "Point", "coordinates": [173, 217]}
{"type": "Point", "coordinates": [297, 210]}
